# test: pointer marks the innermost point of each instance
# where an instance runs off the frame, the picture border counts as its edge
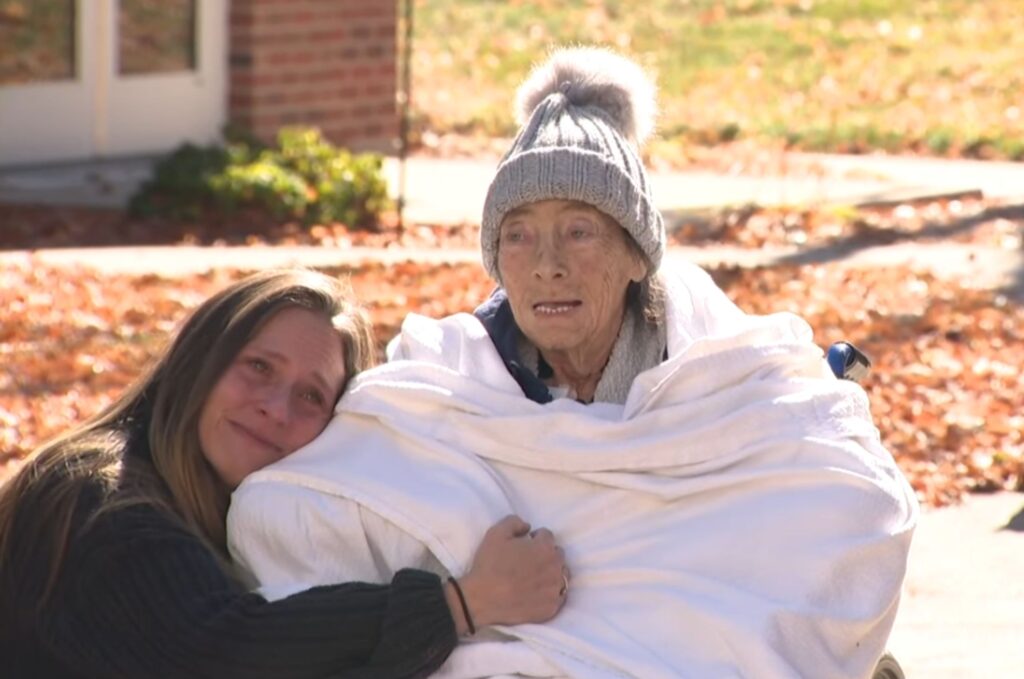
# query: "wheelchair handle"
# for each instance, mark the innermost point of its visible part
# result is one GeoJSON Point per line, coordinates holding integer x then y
{"type": "Point", "coordinates": [848, 362]}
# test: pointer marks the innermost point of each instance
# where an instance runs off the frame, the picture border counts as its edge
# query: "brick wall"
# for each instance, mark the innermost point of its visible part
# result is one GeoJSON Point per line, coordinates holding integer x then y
{"type": "Point", "coordinates": [327, 63]}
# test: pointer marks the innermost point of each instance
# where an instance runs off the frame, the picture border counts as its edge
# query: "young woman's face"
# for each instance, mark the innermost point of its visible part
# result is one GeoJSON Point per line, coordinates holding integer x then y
{"type": "Point", "coordinates": [275, 397]}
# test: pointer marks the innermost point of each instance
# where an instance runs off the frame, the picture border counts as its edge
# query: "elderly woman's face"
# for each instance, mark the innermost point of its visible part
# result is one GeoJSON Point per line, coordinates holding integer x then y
{"type": "Point", "coordinates": [275, 397]}
{"type": "Point", "coordinates": [566, 267]}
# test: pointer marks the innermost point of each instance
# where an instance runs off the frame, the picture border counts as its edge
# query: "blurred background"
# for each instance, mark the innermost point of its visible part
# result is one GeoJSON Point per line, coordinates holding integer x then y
{"type": "Point", "coordinates": [936, 77]}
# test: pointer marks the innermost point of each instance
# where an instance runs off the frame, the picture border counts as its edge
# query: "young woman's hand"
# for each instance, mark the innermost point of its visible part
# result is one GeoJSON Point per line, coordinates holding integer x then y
{"type": "Point", "coordinates": [518, 576]}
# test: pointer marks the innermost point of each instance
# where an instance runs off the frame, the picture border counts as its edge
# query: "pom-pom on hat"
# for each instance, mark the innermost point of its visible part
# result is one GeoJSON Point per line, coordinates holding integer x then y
{"type": "Point", "coordinates": [584, 114]}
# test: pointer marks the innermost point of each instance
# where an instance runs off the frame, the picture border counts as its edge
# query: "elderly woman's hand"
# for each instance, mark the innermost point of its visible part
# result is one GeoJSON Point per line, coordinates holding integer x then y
{"type": "Point", "coordinates": [518, 576]}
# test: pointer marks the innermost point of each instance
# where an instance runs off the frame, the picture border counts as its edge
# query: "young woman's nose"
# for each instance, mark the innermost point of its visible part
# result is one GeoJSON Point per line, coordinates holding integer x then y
{"type": "Point", "coordinates": [274, 404]}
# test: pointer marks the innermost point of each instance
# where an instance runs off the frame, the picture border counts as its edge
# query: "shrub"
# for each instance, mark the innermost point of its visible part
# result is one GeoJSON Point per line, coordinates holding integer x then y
{"type": "Point", "coordinates": [180, 183]}
{"type": "Point", "coordinates": [303, 176]}
{"type": "Point", "coordinates": [261, 183]}
{"type": "Point", "coordinates": [939, 141]}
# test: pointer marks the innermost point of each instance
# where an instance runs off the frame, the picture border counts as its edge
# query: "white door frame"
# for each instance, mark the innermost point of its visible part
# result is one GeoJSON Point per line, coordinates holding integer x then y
{"type": "Point", "coordinates": [101, 113]}
{"type": "Point", "coordinates": [54, 120]}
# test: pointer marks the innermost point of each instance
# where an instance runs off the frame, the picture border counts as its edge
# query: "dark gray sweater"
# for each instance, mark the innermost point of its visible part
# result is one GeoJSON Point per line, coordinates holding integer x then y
{"type": "Point", "coordinates": [140, 596]}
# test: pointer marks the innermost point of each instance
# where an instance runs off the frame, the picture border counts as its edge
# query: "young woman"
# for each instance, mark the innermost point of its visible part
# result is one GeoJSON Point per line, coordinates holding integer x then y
{"type": "Point", "coordinates": [112, 539]}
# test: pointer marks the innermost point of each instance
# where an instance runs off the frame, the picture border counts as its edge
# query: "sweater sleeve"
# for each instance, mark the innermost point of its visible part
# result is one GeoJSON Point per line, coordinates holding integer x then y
{"type": "Point", "coordinates": [141, 597]}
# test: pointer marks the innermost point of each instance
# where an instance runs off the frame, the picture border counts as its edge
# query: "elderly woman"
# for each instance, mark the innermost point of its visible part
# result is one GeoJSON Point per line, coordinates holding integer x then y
{"type": "Point", "coordinates": [570, 232]}
{"type": "Point", "coordinates": [726, 505]}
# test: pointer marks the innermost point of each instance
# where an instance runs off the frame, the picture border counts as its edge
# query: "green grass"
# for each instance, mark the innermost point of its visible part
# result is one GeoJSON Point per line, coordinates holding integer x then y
{"type": "Point", "coordinates": [943, 77]}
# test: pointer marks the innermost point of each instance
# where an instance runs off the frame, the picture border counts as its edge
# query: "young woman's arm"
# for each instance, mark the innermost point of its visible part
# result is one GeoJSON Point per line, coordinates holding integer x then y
{"type": "Point", "coordinates": [141, 597]}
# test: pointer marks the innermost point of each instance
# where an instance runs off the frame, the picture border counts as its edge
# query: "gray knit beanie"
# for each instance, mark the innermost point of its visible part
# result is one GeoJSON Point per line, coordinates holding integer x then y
{"type": "Point", "coordinates": [584, 114]}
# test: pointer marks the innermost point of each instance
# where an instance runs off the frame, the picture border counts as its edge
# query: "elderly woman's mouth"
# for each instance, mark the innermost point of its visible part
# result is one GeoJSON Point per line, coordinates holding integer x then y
{"type": "Point", "coordinates": [558, 307]}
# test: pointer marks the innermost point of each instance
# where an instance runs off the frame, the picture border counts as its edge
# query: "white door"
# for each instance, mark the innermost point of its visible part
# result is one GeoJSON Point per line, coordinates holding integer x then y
{"type": "Point", "coordinates": [93, 78]}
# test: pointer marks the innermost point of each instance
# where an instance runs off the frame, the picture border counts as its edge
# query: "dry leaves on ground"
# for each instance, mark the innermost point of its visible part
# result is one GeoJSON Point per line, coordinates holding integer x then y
{"type": "Point", "coordinates": [962, 219]}
{"type": "Point", "coordinates": [969, 218]}
{"type": "Point", "coordinates": [945, 390]}
{"type": "Point", "coordinates": [35, 227]}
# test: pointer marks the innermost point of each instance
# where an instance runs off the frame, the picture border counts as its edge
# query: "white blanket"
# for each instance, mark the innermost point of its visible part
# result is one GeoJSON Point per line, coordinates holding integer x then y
{"type": "Point", "coordinates": [737, 517]}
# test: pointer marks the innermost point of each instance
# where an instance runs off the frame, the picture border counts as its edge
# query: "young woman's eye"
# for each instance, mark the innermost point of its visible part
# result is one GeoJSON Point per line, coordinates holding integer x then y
{"type": "Point", "coordinates": [315, 397]}
{"type": "Point", "coordinates": [258, 365]}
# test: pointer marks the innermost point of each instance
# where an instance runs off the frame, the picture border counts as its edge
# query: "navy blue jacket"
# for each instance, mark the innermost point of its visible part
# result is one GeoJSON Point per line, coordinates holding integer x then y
{"type": "Point", "coordinates": [496, 316]}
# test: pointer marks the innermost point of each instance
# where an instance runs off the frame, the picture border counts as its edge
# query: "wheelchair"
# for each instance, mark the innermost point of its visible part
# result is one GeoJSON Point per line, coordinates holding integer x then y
{"type": "Point", "coordinates": [849, 363]}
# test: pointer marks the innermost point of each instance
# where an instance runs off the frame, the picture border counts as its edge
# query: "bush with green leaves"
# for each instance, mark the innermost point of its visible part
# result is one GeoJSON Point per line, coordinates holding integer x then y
{"type": "Point", "coordinates": [302, 177]}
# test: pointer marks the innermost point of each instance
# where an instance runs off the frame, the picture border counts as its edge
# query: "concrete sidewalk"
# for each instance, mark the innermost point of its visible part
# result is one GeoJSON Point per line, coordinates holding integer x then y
{"type": "Point", "coordinates": [962, 613]}
{"type": "Point", "coordinates": [451, 191]}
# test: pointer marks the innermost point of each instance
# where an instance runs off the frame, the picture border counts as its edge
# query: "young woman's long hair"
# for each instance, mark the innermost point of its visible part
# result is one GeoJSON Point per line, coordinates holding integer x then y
{"type": "Point", "coordinates": [144, 448]}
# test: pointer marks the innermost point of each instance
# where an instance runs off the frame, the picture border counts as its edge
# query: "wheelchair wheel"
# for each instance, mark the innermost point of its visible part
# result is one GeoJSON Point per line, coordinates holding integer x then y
{"type": "Point", "coordinates": [888, 668]}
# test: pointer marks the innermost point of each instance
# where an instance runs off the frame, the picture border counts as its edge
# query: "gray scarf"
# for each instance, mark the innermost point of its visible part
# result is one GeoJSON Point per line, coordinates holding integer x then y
{"type": "Point", "coordinates": [639, 347]}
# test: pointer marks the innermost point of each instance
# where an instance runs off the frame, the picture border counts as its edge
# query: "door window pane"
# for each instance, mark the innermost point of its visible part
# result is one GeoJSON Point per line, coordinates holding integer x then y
{"type": "Point", "coordinates": [37, 41]}
{"type": "Point", "coordinates": [156, 36]}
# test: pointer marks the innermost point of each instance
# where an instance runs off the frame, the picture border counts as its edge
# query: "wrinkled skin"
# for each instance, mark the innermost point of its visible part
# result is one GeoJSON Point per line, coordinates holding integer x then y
{"type": "Point", "coordinates": [566, 267]}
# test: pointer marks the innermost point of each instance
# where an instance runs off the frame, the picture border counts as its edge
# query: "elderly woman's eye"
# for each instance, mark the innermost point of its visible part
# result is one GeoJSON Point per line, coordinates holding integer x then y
{"type": "Point", "coordinates": [581, 230]}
